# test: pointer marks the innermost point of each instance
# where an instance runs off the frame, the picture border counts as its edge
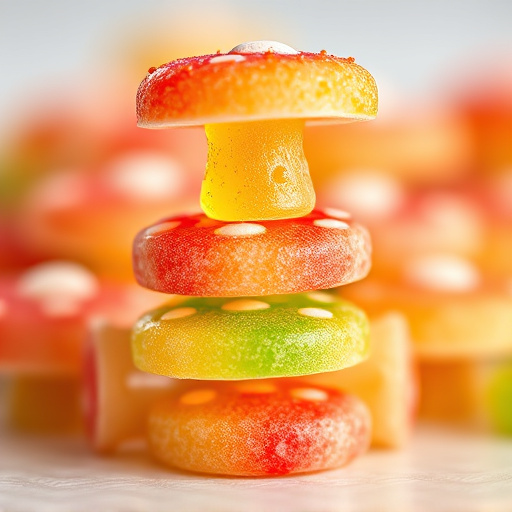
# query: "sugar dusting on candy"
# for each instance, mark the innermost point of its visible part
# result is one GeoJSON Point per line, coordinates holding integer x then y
{"type": "Point", "coordinates": [281, 336]}
{"type": "Point", "coordinates": [288, 428]}
{"type": "Point", "coordinates": [200, 257]}
{"type": "Point", "coordinates": [195, 91]}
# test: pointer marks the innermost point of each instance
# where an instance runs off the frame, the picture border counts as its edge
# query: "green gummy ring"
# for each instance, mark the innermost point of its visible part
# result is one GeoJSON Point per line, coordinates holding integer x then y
{"type": "Point", "coordinates": [278, 336]}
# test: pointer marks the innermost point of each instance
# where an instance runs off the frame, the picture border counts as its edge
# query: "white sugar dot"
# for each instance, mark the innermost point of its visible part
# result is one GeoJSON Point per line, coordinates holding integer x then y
{"type": "Point", "coordinates": [147, 176]}
{"type": "Point", "coordinates": [443, 273]}
{"type": "Point", "coordinates": [227, 58]}
{"type": "Point", "coordinates": [199, 396]}
{"type": "Point", "coordinates": [331, 223]}
{"type": "Point", "coordinates": [337, 214]}
{"type": "Point", "coordinates": [243, 229]}
{"type": "Point", "coordinates": [322, 297]}
{"type": "Point", "coordinates": [245, 305]}
{"type": "Point", "coordinates": [63, 280]}
{"type": "Point", "coordinates": [160, 228]}
{"type": "Point", "coordinates": [310, 394]}
{"type": "Point", "coordinates": [256, 388]}
{"type": "Point", "coordinates": [143, 380]}
{"type": "Point", "coordinates": [178, 313]}
{"type": "Point", "coordinates": [315, 312]}
{"type": "Point", "coordinates": [264, 47]}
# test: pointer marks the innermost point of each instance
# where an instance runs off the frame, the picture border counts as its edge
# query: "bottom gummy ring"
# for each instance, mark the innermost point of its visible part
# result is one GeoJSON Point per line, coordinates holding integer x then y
{"type": "Point", "coordinates": [258, 428]}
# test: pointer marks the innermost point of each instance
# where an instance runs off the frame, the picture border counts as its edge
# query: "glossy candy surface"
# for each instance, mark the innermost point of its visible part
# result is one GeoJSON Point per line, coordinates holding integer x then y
{"type": "Point", "coordinates": [250, 338]}
{"type": "Point", "coordinates": [258, 428]}
{"type": "Point", "coordinates": [195, 255]}
{"type": "Point", "coordinates": [256, 171]}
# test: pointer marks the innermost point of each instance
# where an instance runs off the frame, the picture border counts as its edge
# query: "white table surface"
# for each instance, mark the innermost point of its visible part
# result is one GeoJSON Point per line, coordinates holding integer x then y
{"type": "Point", "coordinates": [442, 470]}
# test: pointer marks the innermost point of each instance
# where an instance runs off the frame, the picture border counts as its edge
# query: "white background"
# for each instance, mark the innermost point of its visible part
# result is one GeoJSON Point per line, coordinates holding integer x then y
{"type": "Point", "coordinates": [413, 45]}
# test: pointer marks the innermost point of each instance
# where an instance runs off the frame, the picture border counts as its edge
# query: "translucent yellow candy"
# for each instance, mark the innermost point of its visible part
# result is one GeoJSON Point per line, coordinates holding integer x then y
{"type": "Point", "coordinates": [256, 171]}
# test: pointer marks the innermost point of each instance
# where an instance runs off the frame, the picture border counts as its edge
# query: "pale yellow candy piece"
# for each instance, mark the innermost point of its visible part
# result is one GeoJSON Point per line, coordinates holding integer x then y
{"type": "Point", "coordinates": [117, 396]}
{"type": "Point", "coordinates": [256, 171]}
{"type": "Point", "coordinates": [385, 381]}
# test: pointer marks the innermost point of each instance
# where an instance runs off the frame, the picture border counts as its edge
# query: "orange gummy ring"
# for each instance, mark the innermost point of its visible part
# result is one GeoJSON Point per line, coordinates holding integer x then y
{"type": "Point", "coordinates": [258, 428]}
{"type": "Point", "coordinates": [251, 86]}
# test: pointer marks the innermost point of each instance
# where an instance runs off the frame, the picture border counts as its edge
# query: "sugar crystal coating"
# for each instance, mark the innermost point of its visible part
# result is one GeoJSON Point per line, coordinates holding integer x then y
{"type": "Point", "coordinates": [284, 256]}
{"type": "Point", "coordinates": [289, 429]}
{"type": "Point", "coordinates": [195, 90]}
{"type": "Point", "coordinates": [294, 335]}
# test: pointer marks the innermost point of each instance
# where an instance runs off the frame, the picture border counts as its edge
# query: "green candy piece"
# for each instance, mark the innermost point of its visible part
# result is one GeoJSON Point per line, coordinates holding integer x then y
{"type": "Point", "coordinates": [500, 399]}
{"type": "Point", "coordinates": [251, 338]}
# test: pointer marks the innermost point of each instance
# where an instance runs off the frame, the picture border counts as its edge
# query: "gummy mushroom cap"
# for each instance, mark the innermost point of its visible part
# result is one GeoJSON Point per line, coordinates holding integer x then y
{"type": "Point", "coordinates": [259, 80]}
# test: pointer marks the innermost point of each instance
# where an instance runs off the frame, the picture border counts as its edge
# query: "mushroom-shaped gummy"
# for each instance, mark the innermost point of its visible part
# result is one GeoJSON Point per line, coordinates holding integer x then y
{"type": "Point", "coordinates": [254, 102]}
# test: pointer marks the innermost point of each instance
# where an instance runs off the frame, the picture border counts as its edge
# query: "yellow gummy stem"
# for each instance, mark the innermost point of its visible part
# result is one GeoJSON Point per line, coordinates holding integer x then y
{"type": "Point", "coordinates": [256, 171]}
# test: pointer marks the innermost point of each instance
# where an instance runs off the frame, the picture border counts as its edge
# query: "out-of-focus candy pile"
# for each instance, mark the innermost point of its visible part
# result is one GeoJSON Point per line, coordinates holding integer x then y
{"type": "Point", "coordinates": [435, 189]}
{"type": "Point", "coordinates": [78, 180]}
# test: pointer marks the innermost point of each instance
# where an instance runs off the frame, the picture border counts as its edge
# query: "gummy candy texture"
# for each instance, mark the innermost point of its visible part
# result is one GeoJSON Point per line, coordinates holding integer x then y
{"type": "Point", "coordinates": [275, 336]}
{"type": "Point", "coordinates": [233, 88]}
{"type": "Point", "coordinates": [195, 255]}
{"type": "Point", "coordinates": [256, 171]}
{"type": "Point", "coordinates": [258, 428]}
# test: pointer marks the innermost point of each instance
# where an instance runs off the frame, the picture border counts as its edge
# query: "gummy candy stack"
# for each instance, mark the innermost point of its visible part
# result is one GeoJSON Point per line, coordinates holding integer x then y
{"type": "Point", "coordinates": [254, 264]}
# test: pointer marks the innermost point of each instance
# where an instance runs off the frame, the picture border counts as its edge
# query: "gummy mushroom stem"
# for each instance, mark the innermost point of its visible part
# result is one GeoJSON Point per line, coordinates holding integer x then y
{"type": "Point", "coordinates": [256, 163]}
